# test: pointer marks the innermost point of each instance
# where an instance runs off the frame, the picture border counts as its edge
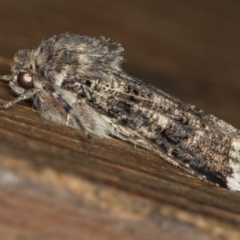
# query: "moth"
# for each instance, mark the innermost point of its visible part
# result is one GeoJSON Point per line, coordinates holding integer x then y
{"type": "Point", "coordinates": [78, 81]}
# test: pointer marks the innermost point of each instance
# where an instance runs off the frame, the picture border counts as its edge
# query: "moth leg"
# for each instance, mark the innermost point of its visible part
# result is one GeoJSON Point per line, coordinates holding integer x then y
{"type": "Point", "coordinates": [80, 125]}
{"type": "Point", "coordinates": [23, 96]}
{"type": "Point", "coordinates": [6, 78]}
{"type": "Point", "coordinates": [70, 112]}
{"type": "Point", "coordinates": [89, 145]}
{"type": "Point", "coordinates": [86, 133]}
{"type": "Point", "coordinates": [68, 117]}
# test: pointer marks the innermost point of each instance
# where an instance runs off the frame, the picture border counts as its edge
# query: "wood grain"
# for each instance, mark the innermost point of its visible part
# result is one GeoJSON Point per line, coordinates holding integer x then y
{"type": "Point", "coordinates": [56, 185]}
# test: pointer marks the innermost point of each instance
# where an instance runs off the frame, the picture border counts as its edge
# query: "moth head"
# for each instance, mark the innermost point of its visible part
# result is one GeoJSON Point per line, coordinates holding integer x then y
{"type": "Point", "coordinates": [62, 57]}
{"type": "Point", "coordinates": [23, 73]}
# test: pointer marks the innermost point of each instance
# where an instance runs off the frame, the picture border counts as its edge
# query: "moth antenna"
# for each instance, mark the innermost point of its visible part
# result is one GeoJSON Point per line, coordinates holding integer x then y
{"type": "Point", "coordinates": [6, 78]}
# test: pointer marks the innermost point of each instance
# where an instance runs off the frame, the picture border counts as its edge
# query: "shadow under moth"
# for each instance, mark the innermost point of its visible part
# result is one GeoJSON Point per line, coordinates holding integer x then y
{"type": "Point", "coordinates": [78, 81]}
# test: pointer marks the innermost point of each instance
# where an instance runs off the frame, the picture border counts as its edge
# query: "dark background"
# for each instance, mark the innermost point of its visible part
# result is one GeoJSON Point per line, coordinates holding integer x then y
{"type": "Point", "coordinates": [189, 49]}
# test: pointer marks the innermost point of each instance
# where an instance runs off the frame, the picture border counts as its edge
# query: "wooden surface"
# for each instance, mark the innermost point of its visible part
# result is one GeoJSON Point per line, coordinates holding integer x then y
{"type": "Point", "coordinates": [54, 185]}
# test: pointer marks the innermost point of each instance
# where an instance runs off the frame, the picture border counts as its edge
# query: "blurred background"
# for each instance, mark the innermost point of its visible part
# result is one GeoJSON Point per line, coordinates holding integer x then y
{"type": "Point", "coordinates": [189, 49]}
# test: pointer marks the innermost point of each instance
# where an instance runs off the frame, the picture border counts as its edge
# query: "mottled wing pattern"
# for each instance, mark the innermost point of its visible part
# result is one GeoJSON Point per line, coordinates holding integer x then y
{"type": "Point", "coordinates": [148, 117]}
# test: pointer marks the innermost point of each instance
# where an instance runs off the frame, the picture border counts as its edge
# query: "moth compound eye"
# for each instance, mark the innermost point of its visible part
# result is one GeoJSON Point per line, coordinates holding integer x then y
{"type": "Point", "coordinates": [25, 80]}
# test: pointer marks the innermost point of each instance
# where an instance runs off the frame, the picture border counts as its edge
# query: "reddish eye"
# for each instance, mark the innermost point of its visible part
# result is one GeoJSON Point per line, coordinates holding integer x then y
{"type": "Point", "coordinates": [25, 80]}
